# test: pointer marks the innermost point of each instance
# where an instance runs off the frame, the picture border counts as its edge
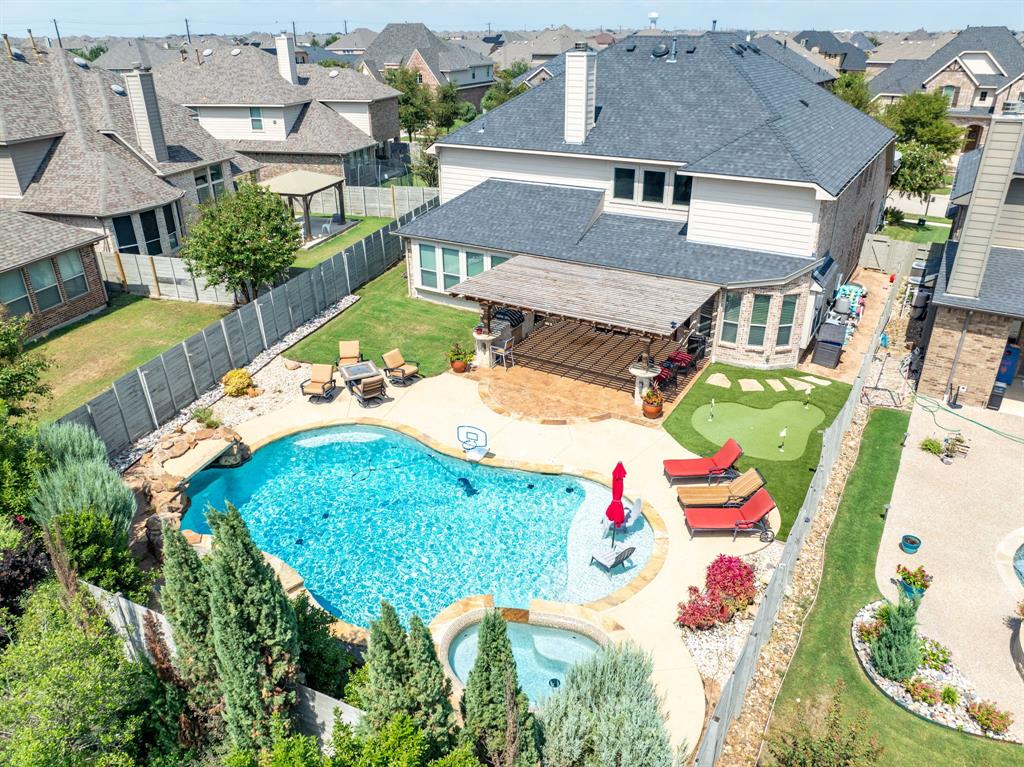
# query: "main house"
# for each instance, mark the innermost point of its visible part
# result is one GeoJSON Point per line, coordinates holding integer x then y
{"type": "Point", "coordinates": [674, 187]}
{"type": "Point", "coordinates": [973, 330]}
{"type": "Point", "coordinates": [284, 115]}
{"type": "Point", "coordinates": [981, 71]}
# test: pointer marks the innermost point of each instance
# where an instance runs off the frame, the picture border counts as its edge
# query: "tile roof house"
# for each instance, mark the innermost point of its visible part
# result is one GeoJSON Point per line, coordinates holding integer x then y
{"type": "Point", "coordinates": [974, 322]}
{"type": "Point", "coordinates": [438, 61]}
{"type": "Point", "coordinates": [693, 160]}
{"type": "Point", "coordinates": [845, 57]}
{"type": "Point", "coordinates": [286, 116]}
{"type": "Point", "coordinates": [981, 71]}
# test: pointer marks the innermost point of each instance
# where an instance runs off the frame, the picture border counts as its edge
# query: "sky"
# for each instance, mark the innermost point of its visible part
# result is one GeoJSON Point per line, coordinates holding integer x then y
{"type": "Point", "coordinates": [160, 17]}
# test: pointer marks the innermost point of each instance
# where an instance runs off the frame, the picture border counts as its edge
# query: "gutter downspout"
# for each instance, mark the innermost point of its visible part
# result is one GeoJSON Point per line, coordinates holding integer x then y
{"type": "Point", "coordinates": [956, 356]}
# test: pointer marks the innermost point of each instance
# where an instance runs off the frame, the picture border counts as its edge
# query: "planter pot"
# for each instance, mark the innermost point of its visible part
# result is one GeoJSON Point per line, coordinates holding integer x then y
{"type": "Point", "coordinates": [911, 592]}
{"type": "Point", "coordinates": [910, 544]}
{"type": "Point", "coordinates": [652, 411]}
{"type": "Point", "coordinates": [459, 366]}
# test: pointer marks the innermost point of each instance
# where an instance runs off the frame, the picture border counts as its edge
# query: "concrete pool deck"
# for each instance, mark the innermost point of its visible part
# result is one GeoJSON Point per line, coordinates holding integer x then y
{"type": "Point", "coordinates": [436, 406]}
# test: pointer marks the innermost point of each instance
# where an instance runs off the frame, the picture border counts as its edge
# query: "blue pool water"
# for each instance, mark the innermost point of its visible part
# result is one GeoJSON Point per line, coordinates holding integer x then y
{"type": "Point", "coordinates": [542, 654]}
{"type": "Point", "coordinates": [1018, 564]}
{"type": "Point", "coordinates": [365, 514]}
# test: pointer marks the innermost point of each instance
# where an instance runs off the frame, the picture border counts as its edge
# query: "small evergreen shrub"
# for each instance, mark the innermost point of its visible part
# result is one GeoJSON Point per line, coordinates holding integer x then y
{"type": "Point", "coordinates": [934, 655]}
{"type": "Point", "coordinates": [922, 691]}
{"type": "Point", "coordinates": [703, 610]}
{"type": "Point", "coordinates": [357, 687]}
{"type": "Point", "coordinates": [897, 652]}
{"type": "Point", "coordinates": [733, 579]}
{"type": "Point", "coordinates": [989, 717]}
{"type": "Point", "coordinates": [204, 416]}
{"type": "Point", "coordinates": [100, 555]}
{"type": "Point", "coordinates": [321, 657]}
{"type": "Point", "coordinates": [894, 216]}
{"type": "Point", "coordinates": [237, 382]}
{"type": "Point", "coordinates": [67, 443]}
{"type": "Point", "coordinates": [79, 487]}
{"type": "Point", "coordinates": [950, 696]}
{"type": "Point", "coordinates": [932, 445]}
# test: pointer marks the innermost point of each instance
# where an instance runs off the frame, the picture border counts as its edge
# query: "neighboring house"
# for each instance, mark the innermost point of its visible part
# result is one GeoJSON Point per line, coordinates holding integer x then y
{"type": "Point", "coordinates": [48, 271]}
{"type": "Point", "coordinates": [914, 46]}
{"type": "Point", "coordinates": [103, 152]}
{"type": "Point", "coordinates": [812, 66]}
{"type": "Point", "coordinates": [437, 61]}
{"type": "Point", "coordinates": [697, 166]}
{"type": "Point", "coordinates": [543, 46]}
{"type": "Point", "coordinates": [123, 55]}
{"type": "Point", "coordinates": [981, 70]}
{"type": "Point", "coordinates": [355, 42]}
{"type": "Point", "coordinates": [540, 73]}
{"type": "Point", "coordinates": [286, 116]}
{"type": "Point", "coordinates": [973, 332]}
{"type": "Point", "coordinates": [845, 57]}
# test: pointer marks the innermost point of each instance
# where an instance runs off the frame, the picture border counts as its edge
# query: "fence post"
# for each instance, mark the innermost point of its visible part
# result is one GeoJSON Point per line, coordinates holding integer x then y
{"type": "Point", "coordinates": [394, 204]}
{"type": "Point", "coordinates": [191, 372]}
{"type": "Point", "coordinates": [145, 393]}
{"type": "Point", "coordinates": [259, 323]}
{"type": "Point", "coordinates": [167, 378]}
{"type": "Point", "coordinates": [120, 270]}
{"type": "Point", "coordinates": [156, 282]}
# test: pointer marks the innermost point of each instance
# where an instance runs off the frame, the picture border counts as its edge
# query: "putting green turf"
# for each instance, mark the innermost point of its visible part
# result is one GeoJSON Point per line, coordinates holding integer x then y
{"type": "Point", "coordinates": [757, 429]}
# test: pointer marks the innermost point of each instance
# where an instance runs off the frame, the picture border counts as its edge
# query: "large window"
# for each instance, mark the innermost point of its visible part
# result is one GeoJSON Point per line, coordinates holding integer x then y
{"type": "Point", "coordinates": [654, 186]}
{"type": "Point", "coordinates": [217, 180]}
{"type": "Point", "coordinates": [125, 232]}
{"type": "Point", "coordinates": [450, 267]}
{"type": "Point", "coordinates": [682, 188]}
{"type": "Point", "coordinates": [949, 91]}
{"type": "Point", "coordinates": [72, 274]}
{"type": "Point", "coordinates": [786, 317]}
{"type": "Point", "coordinates": [209, 183]}
{"type": "Point", "coordinates": [14, 294]}
{"type": "Point", "coordinates": [428, 266]}
{"type": "Point", "coordinates": [474, 263]}
{"type": "Point", "coordinates": [44, 284]}
{"type": "Point", "coordinates": [625, 181]}
{"type": "Point", "coordinates": [759, 320]}
{"type": "Point", "coordinates": [172, 226]}
{"type": "Point", "coordinates": [150, 232]}
{"type": "Point", "coordinates": [498, 260]}
{"type": "Point", "coordinates": [731, 317]}
{"type": "Point", "coordinates": [256, 118]}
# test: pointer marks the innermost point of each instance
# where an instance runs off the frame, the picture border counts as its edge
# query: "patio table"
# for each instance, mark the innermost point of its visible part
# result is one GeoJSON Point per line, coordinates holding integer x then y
{"type": "Point", "coordinates": [357, 371]}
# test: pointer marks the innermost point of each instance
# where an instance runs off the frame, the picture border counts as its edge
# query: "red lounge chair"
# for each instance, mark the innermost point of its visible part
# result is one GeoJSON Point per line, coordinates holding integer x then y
{"type": "Point", "coordinates": [717, 466]}
{"type": "Point", "coordinates": [752, 515]}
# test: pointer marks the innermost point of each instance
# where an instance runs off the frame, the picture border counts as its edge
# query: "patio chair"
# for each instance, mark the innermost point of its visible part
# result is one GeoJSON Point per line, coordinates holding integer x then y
{"type": "Point", "coordinates": [369, 389]}
{"type": "Point", "coordinates": [752, 516]}
{"type": "Point", "coordinates": [503, 353]}
{"type": "Point", "coordinates": [633, 512]}
{"type": "Point", "coordinates": [398, 369]}
{"type": "Point", "coordinates": [731, 493]}
{"type": "Point", "coordinates": [320, 383]}
{"type": "Point", "coordinates": [718, 466]}
{"type": "Point", "coordinates": [611, 558]}
{"type": "Point", "coordinates": [348, 353]}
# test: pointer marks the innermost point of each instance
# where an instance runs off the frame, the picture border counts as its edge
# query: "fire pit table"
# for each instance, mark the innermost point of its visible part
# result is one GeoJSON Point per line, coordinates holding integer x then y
{"type": "Point", "coordinates": [357, 371]}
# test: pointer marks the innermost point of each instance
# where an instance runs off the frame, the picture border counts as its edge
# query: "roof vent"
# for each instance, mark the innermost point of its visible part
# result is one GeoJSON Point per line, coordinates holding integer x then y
{"type": "Point", "coordinates": [753, 47]}
{"type": "Point", "coordinates": [737, 49]}
{"type": "Point", "coordinates": [17, 55]}
{"type": "Point", "coordinates": [235, 51]}
{"type": "Point", "coordinates": [672, 59]}
{"type": "Point", "coordinates": [692, 49]}
{"type": "Point", "coordinates": [118, 89]}
{"type": "Point", "coordinates": [659, 50]}
{"type": "Point", "coordinates": [804, 102]}
{"type": "Point", "coordinates": [333, 73]}
{"type": "Point", "coordinates": [208, 52]}
{"type": "Point", "coordinates": [631, 47]}
{"type": "Point", "coordinates": [79, 61]}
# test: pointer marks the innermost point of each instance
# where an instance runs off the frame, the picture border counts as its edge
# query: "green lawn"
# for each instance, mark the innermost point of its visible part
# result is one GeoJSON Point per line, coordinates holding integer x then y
{"type": "Point", "coordinates": [825, 653]}
{"type": "Point", "coordinates": [90, 355]}
{"type": "Point", "coordinates": [915, 233]}
{"type": "Point", "coordinates": [367, 225]}
{"type": "Point", "coordinates": [409, 179]}
{"type": "Point", "coordinates": [385, 317]}
{"type": "Point", "coordinates": [787, 480]}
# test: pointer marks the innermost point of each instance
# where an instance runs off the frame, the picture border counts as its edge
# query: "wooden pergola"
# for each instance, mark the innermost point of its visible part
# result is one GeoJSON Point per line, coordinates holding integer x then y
{"type": "Point", "coordinates": [303, 184]}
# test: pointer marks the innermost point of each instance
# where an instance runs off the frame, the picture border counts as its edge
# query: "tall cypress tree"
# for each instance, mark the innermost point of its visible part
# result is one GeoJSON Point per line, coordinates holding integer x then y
{"type": "Point", "coordinates": [896, 653]}
{"type": "Point", "coordinates": [387, 670]}
{"type": "Point", "coordinates": [254, 632]}
{"type": "Point", "coordinates": [495, 710]}
{"type": "Point", "coordinates": [430, 691]}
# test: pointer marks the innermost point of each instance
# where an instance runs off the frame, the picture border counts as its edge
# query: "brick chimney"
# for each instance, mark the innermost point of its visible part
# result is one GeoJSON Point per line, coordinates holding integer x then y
{"type": "Point", "coordinates": [580, 93]}
{"type": "Point", "coordinates": [146, 112]}
{"type": "Point", "coordinates": [286, 58]}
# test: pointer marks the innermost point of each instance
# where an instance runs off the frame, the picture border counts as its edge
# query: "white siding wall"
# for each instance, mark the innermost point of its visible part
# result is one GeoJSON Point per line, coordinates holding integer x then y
{"type": "Point", "coordinates": [356, 112]}
{"type": "Point", "coordinates": [778, 219]}
{"type": "Point", "coordinates": [233, 123]}
{"type": "Point", "coordinates": [9, 186]}
{"type": "Point", "coordinates": [465, 76]}
{"type": "Point", "coordinates": [19, 163]}
{"type": "Point", "coordinates": [461, 169]}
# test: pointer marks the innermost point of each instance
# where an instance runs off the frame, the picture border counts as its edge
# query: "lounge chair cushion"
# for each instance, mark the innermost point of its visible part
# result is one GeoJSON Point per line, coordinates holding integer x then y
{"type": "Point", "coordinates": [723, 518]}
{"type": "Point", "coordinates": [406, 370]}
{"type": "Point", "coordinates": [717, 495]}
{"type": "Point", "coordinates": [321, 373]}
{"type": "Point", "coordinates": [348, 352]}
{"type": "Point", "coordinates": [722, 460]}
{"type": "Point", "coordinates": [393, 359]}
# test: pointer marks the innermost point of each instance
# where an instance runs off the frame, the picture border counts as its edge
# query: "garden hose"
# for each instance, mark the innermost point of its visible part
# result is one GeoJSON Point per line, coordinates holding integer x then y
{"type": "Point", "coordinates": [933, 407]}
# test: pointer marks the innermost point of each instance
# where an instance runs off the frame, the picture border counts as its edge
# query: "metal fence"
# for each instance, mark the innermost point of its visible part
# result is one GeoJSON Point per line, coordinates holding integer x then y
{"type": "Point", "coordinates": [731, 701]}
{"type": "Point", "coordinates": [152, 394]}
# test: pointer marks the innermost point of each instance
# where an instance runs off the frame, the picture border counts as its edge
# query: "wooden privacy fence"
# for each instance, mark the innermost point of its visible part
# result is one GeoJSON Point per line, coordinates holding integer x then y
{"type": "Point", "coordinates": [892, 256]}
{"type": "Point", "coordinates": [151, 395]}
{"type": "Point", "coordinates": [158, 276]}
{"type": "Point", "coordinates": [389, 202]}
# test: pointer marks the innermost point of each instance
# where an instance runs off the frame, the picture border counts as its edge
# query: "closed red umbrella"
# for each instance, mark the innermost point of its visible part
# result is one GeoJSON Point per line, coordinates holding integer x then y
{"type": "Point", "coordinates": [618, 475]}
{"type": "Point", "coordinates": [615, 512]}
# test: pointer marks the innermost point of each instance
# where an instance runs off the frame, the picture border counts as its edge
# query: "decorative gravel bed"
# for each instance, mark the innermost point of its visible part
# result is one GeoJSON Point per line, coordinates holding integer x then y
{"type": "Point", "coordinates": [236, 415]}
{"type": "Point", "coordinates": [955, 717]}
{"type": "Point", "coordinates": [715, 650]}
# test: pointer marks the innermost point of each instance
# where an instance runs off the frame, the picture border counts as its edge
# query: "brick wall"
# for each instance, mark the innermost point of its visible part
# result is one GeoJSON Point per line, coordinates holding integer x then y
{"type": "Point", "coordinates": [474, 94]}
{"type": "Point", "coordinates": [68, 311]}
{"type": "Point", "coordinates": [978, 364]}
{"type": "Point", "coordinates": [417, 62]}
{"type": "Point", "coordinates": [965, 93]}
{"type": "Point", "coordinates": [275, 164]}
{"type": "Point", "coordinates": [384, 119]}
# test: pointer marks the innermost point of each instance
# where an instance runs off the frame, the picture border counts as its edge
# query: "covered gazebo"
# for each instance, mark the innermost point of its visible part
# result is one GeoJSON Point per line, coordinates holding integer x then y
{"type": "Point", "coordinates": [302, 185]}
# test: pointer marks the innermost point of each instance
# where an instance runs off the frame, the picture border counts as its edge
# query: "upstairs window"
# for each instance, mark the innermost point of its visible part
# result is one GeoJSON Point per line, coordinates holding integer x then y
{"type": "Point", "coordinates": [14, 293]}
{"type": "Point", "coordinates": [72, 274]}
{"type": "Point", "coordinates": [682, 188]}
{"type": "Point", "coordinates": [256, 118]}
{"type": "Point", "coordinates": [125, 234]}
{"type": "Point", "coordinates": [625, 183]}
{"type": "Point", "coordinates": [983, 96]}
{"type": "Point", "coordinates": [759, 320]}
{"type": "Point", "coordinates": [44, 284]}
{"type": "Point", "coordinates": [731, 316]}
{"type": "Point", "coordinates": [209, 183]}
{"type": "Point", "coordinates": [654, 186]}
{"type": "Point", "coordinates": [217, 180]}
{"type": "Point", "coordinates": [150, 232]}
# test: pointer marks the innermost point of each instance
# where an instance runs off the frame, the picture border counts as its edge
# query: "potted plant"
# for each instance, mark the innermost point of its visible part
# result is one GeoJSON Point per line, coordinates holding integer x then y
{"type": "Point", "coordinates": [459, 358]}
{"type": "Point", "coordinates": [654, 403]}
{"type": "Point", "coordinates": [913, 583]}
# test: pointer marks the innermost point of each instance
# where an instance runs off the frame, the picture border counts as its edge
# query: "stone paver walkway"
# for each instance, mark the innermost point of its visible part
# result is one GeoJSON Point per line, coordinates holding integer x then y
{"type": "Point", "coordinates": [719, 379]}
{"type": "Point", "coordinates": [775, 384]}
{"type": "Point", "coordinates": [749, 384]}
{"type": "Point", "coordinates": [799, 384]}
{"type": "Point", "coordinates": [817, 381]}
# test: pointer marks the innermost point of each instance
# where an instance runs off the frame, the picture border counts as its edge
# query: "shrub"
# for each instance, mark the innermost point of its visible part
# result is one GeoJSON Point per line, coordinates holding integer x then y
{"type": "Point", "coordinates": [356, 687]}
{"type": "Point", "coordinates": [1020, 609]}
{"type": "Point", "coordinates": [321, 657]}
{"type": "Point", "coordinates": [204, 416]}
{"type": "Point", "coordinates": [20, 460]}
{"type": "Point", "coordinates": [83, 487]}
{"type": "Point", "coordinates": [22, 566]}
{"type": "Point", "coordinates": [733, 580]}
{"type": "Point", "coordinates": [918, 578]}
{"type": "Point", "coordinates": [894, 216]}
{"type": "Point", "coordinates": [66, 443]}
{"type": "Point", "coordinates": [932, 445]}
{"type": "Point", "coordinates": [237, 382]}
{"type": "Point", "coordinates": [868, 631]}
{"type": "Point", "coordinates": [921, 690]}
{"type": "Point", "coordinates": [703, 610]}
{"type": "Point", "coordinates": [10, 535]}
{"type": "Point", "coordinates": [897, 652]}
{"type": "Point", "coordinates": [934, 655]}
{"type": "Point", "coordinates": [989, 717]}
{"type": "Point", "coordinates": [100, 555]}
{"type": "Point", "coordinates": [458, 353]}
{"type": "Point", "coordinates": [950, 696]}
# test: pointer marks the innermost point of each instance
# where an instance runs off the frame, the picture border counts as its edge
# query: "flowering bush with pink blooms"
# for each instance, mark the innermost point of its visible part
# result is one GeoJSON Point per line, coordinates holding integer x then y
{"type": "Point", "coordinates": [704, 610]}
{"type": "Point", "coordinates": [733, 579]}
{"type": "Point", "coordinates": [989, 717]}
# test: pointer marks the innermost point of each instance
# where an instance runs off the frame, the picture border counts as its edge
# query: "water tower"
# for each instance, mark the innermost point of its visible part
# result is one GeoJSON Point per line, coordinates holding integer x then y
{"type": "Point", "coordinates": [653, 17]}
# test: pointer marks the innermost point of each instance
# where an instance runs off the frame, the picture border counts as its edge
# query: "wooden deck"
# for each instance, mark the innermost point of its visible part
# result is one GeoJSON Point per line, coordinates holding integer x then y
{"type": "Point", "coordinates": [595, 356]}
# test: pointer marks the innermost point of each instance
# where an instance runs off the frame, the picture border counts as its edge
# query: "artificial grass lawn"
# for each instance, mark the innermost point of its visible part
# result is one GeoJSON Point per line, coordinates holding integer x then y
{"type": "Point", "coordinates": [304, 259]}
{"type": "Point", "coordinates": [385, 317]}
{"type": "Point", "coordinates": [915, 233]}
{"type": "Point", "coordinates": [787, 481]}
{"type": "Point", "coordinates": [758, 429]}
{"type": "Point", "coordinates": [825, 653]}
{"type": "Point", "coordinates": [90, 355]}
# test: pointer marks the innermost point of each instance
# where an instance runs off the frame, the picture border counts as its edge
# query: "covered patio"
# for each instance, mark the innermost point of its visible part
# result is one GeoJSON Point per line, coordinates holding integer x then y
{"type": "Point", "coordinates": [301, 185]}
{"type": "Point", "coordinates": [599, 326]}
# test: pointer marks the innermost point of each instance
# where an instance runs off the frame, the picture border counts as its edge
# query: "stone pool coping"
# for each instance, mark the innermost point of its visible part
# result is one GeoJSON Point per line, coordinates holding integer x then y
{"type": "Point", "coordinates": [1005, 550]}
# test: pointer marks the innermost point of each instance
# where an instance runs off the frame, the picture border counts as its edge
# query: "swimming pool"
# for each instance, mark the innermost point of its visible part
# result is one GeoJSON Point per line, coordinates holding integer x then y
{"type": "Point", "coordinates": [365, 513]}
{"type": "Point", "coordinates": [543, 655]}
{"type": "Point", "coordinates": [1018, 564]}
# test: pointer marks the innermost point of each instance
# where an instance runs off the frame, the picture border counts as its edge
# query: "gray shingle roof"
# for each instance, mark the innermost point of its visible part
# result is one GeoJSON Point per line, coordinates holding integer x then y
{"type": "Point", "coordinates": [345, 85]}
{"type": "Point", "coordinates": [396, 42]}
{"type": "Point", "coordinates": [361, 37]}
{"type": "Point", "coordinates": [565, 223]}
{"type": "Point", "coordinates": [250, 77]}
{"type": "Point", "coordinates": [792, 59]}
{"type": "Point", "coordinates": [25, 238]}
{"type": "Point", "coordinates": [1001, 286]}
{"type": "Point", "coordinates": [554, 66]}
{"type": "Point", "coordinates": [853, 59]}
{"type": "Point", "coordinates": [122, 54]}
{"type": "Point", "coordinates": [909, 75]}
{"type": "Point", "coordinates": [721, 109]}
